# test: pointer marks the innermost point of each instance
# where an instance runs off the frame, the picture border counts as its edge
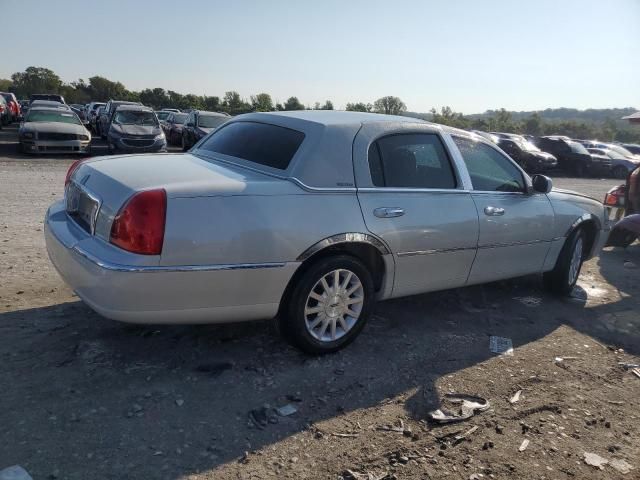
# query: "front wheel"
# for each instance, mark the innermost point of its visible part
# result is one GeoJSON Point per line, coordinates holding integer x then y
{"type": "Point", "coordinates": [329, 305]}
{"type": "Point", "coordinates": [564, 275]}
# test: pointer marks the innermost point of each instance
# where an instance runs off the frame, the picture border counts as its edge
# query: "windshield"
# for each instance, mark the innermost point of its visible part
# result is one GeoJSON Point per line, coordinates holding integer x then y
{"type": "Point", "coordinates": [129, 117]}
{"type": "Point", "coordinates": [162, 115]}
{"type": "Point", "coordinates": [179, 118]}
{"type": "Point", "coordinates": [611, 153]}
{"type": "Point", "coordinates": [577, 147]}
{"type": "Point", "coordinates": [211, 121]}
{"type": "Point", "coordinates": [60, 117]}
{"type": "Point", "coordinates": [528, 146]}
{"type": "Point", "coordinates": [621, 151]}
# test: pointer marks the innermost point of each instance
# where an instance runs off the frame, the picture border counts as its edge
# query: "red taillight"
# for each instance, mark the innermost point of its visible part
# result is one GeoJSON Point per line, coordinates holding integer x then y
{"type": "Point", "coordinates": [139, 225]}
{"type": "Point", "coordinates": [72, 169]}
{"type": "Point", "coordinates": [615, 197]}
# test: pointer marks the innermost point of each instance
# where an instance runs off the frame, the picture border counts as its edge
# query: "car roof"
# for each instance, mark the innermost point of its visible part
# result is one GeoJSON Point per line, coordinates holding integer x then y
{"type": "Point", "coordinates": [208, 113]}
{"type": "Point", "coordinates": [134, 108]}
{"type": "Point", "coordinates": [338, 117]}
{"type": "Point", "coordinates": [52, 109]}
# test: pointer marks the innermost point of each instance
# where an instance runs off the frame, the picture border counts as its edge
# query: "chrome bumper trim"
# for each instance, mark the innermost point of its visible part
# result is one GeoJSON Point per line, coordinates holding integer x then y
{"type": "Point", "coordinates": [114, 267]}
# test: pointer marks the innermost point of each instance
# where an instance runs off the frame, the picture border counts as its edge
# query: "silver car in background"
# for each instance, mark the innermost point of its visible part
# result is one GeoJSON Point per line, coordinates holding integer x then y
{"type": "Point", "coordinates": [311, 216]}
{"type": "Point", "coordinates": [135, 129]}
{"type": "Point", "coordinates": [53, 130]}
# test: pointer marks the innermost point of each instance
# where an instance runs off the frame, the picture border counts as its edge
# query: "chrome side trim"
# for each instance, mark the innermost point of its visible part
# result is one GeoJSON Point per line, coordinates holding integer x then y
{"type": "Point", "coordinates": [344, 238]}
{"type": "Point", "coordinates": [411, 190]}
{"type": "Point", "coordinates": [512, 244]}
{"type": "Point", "coordinates": [433, 251]}
{"type": "Point", "coordinates": [309, 188]}
{"type": "Point", "coordinates": [114, 267]}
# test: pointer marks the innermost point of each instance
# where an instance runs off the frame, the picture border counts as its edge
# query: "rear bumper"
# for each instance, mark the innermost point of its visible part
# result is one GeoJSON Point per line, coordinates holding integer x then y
{"type": "Point", "coordinates": [137, 289]}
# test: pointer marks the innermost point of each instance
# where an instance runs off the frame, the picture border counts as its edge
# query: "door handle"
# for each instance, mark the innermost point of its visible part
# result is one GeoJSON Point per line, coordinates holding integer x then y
{"type": "Point", "coordinates": [493, 211]}
{"type": "Point", "coordinates": [388, 212]}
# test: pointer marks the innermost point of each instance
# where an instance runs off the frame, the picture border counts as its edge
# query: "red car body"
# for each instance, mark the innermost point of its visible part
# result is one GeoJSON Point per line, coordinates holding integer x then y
{"type": "Point", "coordinates": [14, 106]}
{"type": "Point", "coordinates": [623, 207]}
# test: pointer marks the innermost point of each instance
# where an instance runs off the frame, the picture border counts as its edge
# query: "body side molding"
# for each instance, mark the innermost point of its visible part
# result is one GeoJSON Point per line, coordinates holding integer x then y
{"type": "Point", "coordinates": [341, 238]}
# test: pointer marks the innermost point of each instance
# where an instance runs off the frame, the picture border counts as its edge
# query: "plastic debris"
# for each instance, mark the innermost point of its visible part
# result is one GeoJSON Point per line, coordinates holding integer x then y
{"type": "Point", "coordinates": [286, 410]}
{"type": "Point", "coordinates": [636, 372]}
{"type": "Point", "coordinates": [458, 438]}
{"type": "Point", "coordinates": [516, 397]}
{"type": "Point", "coordinates": [469, 405]}
{"type": "Point", "coordinates": [621, 466]}
{"type": "Point", "coordinates": [595, 460]}
{"type": "Point", "coordinates": [15, 472]}
{"type": "Point", "coordinates": [523, 446]}
{"type": "Point", "coordinates": [628, 366]}
{"type": "Point", "coordinates": [501, 345]}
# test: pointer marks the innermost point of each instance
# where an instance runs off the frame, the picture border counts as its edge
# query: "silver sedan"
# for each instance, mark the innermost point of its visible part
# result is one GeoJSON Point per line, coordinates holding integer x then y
{"type": "Point", "coordinates": [311, 217]}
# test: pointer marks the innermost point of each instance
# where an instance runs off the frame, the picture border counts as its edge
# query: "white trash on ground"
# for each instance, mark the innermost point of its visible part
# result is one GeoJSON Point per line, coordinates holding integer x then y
{"type": "Point", "coordinates": [15, 472]}
{"type": "Point", "coordinates": [500, 345]}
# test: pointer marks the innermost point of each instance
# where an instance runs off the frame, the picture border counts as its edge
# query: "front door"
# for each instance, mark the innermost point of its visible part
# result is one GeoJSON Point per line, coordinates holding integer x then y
{"type": "Point", "coordinates": [516, 227]}
{"type": "Point", "coordinates": [417, 205]}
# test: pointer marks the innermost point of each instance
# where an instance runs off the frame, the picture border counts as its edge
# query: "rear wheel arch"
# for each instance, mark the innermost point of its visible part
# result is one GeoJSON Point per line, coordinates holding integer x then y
{"type": "Point", "coordinates": [590, 225]}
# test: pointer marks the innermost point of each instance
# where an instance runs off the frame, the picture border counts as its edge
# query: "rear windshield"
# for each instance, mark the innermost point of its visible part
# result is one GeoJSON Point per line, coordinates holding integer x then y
{"type": "Point", "coordinates": [262, 143]}
{"type": "Point", "coordinates": [61, 117]}
{"type": "Point", "coordinates": [211, 121]}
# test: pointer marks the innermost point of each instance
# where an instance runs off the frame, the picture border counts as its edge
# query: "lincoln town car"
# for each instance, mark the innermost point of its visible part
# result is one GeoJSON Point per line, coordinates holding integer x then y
{"type": "Point", "coordinates": [310, 217]}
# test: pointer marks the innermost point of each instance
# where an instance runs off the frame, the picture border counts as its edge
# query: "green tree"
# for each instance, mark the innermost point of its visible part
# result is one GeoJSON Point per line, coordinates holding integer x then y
{"type": "Point", "coordinates": [212, 104]}
{"type": "Point", "coordinates": [102, 90]}
{"type": "Point", "coordinates": [359, 107]}
{"type": "Point", "coordinates": [328, 105]}
{"type": "Point", "coordinates": [389, 105]}
{"type": "Point", "coordinates": [533, 125]}
{"type": "Point", "coordinates": [293, 103]}
{"type": "Point", "coordinates": [156, 98]}
{"type": "Point", "coordinates": [262, 103]}
{"type": "Point", "coordinates": [5, 84]}
{"type": "Point", "coordinates": [233, 104]}
{"type": "Point", "coordinates": [447, 116]}
{"type": "Point", "coordinates": [35, 80]}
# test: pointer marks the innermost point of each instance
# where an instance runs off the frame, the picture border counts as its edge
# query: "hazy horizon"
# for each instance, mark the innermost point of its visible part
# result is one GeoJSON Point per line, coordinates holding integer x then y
{"type": "Point", "coordinates": [471, 56]}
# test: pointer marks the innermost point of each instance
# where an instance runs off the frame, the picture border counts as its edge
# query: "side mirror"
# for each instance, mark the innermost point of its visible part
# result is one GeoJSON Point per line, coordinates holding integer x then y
{"type": "Point", "coordinates": [541, 184]}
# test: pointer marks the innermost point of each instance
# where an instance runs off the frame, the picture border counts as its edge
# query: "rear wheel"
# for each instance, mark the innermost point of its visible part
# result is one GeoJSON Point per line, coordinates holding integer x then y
{"type": "Point", "coordinates": [564, 275]}
{"type": "Point", "coordinates": [620, 172]}
{"type": "Point", "coordinates": [329, 305]}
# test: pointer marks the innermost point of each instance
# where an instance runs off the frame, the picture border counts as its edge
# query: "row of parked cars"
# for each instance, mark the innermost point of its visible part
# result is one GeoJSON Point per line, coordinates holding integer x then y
{"type": "Point", "coordinates": [576, 156]}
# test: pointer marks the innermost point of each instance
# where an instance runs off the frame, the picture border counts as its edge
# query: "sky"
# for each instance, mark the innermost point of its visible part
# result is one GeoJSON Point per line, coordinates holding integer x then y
{"type": "Point", "coordinates": [472, 55]}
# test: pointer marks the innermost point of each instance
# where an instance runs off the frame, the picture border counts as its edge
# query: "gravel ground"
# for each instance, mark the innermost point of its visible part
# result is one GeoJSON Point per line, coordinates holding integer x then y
{"type": "Point", "coordinates": [83, 397]}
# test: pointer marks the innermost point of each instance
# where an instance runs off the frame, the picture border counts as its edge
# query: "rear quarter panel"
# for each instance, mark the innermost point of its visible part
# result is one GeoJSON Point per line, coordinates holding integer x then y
{"type": "Point", "coordinates": [254, 228]}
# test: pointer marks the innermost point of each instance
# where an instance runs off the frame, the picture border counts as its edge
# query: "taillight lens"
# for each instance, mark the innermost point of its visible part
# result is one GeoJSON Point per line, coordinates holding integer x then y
{"type": "Point", "coordinates": [74, 166]}
{"type": "Point", "coordinates": [615, 197]}
{"type": "Point", "coordinates": [139, 225]}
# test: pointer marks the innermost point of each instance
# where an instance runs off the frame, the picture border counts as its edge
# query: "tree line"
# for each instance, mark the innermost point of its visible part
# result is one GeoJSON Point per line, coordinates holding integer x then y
{"type": "Point", "coordinates": [101, 89]}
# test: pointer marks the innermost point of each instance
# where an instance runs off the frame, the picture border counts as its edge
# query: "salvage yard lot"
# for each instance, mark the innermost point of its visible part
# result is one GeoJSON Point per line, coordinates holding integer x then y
{"type": "Point", "coordinates": [83, 397]}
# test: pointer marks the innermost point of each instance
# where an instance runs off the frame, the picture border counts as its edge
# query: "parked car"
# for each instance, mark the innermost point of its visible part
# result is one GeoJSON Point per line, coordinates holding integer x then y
{"type": "Point", "coordinates": [14, 106]}
{"type": "Point", "coordinates": [81, 115]}
{"type": "Point", "coordinates": [49, 104]}
{"type": "Point", "coordinates": [162, 115]}
{"type": "Point", "coordinates": [46, 96]}
{"type": "Point", "coordinates": [311, 216]}
{"type": "Point", "coordinates": [174, 110]}
{"type": "Point", "coordinates": [612, 146]}
{"type": "Point", "coordinates": [172, 127]}
{"type": "Point", "coordinates": [135, 128]}
{"type": "Point", "coordinates": [573, 157]}
{"type": "Point", "coordinates": [487, 136]}
{"type": "Point", "coordinates": [24, 108]}
{"type": "Point", "coordinates": [527, 155]}
{"type": "Point", "coordinates": [622, 205]}
{"type": "Point", "coordinates": [92, 113]}
{"type": "Point", "coordinates": [198, 124]}
{"type": "Point", "coordinates": [621, 166]}
{"type": "Point", "coordinates": [104, 120]}
{"type": "Point", "coordinates": [53, 130]}
{"type": "Point", "coordinates": [632, 147]}
{"type": "Point", "coordinates": [4, 112]}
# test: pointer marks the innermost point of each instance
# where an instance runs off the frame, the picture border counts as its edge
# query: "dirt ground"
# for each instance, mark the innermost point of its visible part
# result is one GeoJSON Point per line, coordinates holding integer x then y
{"type": "Point", "coordinates": [83, 397]}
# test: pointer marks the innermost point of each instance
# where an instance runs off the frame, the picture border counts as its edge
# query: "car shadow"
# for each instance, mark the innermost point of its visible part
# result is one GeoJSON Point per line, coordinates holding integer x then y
{"type": "Point", "coordinates": [178, 399]}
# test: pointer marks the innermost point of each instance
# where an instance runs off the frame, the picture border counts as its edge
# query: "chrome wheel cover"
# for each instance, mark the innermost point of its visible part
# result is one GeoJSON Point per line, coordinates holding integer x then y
{"type": "Point", "coordinates": [576, 261]}
{"type": "Point", "coordinates": [334, 305]}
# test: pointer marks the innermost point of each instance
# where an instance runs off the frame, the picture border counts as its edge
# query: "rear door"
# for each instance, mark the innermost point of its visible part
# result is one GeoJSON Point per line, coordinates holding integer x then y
{"type": "Point", "coordinates": [413, 198]}
{"type": "Point", "coordinates": [516, 227]}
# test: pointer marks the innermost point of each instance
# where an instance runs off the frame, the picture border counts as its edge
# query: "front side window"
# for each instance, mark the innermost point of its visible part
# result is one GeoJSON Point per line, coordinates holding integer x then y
{"type": "Point", "coordinates": [410, 161]}
{"type": "Point", "coordinates": [262, 143]}
{"type": "Point", "coordinates": [178, 118]}
{"type": "Point", "coordinates": [211, 121]}
{"type": "Point", "coordinates": [490, 171]}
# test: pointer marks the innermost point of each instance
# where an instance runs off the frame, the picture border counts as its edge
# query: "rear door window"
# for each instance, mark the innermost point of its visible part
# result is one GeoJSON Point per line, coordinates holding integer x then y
{"type": "Point", "coordinates": [411, 161]}
{"type": "Point", "coordinates": [262, 143]}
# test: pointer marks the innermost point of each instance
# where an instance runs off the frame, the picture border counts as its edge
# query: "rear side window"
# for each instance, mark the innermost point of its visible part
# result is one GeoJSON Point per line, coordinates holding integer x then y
{"type": "Point", "coordinates": [490, 171]}
{"type": "Point", "coordinates": [262, 143]}
{"type": "Point", "coordinates": [410, 161]}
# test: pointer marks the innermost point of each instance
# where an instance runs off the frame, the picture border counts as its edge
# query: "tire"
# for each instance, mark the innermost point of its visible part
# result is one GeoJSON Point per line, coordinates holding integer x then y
{"type": "Point", "coordinates": [312, 331]}
{"type": "Point", "coordinates": [620, 172]}
{"type": "Point", "coordinates": [564, 275]}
